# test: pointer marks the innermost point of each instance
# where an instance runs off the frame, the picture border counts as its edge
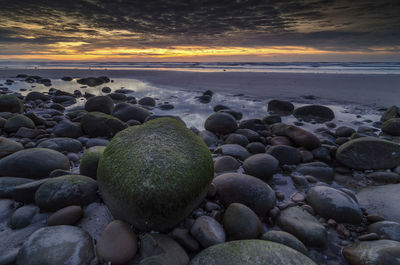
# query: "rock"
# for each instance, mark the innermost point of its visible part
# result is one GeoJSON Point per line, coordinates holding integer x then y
{"type": "Point", "coordinates": [34, 95]}
{"type": "Point", "coordinates": [385, 177]}
{"type": "Point", "coordinates": [250, 134]}
{"type": "Point", "coordinates": [117, 244]}
{"type": "Point", "coordinates": [286, 239]}
{"type": "Point", "coordinates": [208, 137]}
{"type": "Point", "coordinates": [147, 101]}
{"type": "Point", "coordinates": [7, 185]}
{"type": "Point", "coordinates": [93, 81]}
{"type": "Point", "coordinates": [62, 145]}
{"type": "Point", "coordinates": [153, 175]}
{"type": "Point", "coordinates": [280, 107]}
{"type": "Point", "coordinates": [126, 112]}
{"type": "Point", "coordinates": [280, 140]}
{"type": "Point", "coordinates": [375, 252]}
{"type": "Point", "coordinates": [163, 250]}
{"type": "Point", "coordinates": [183, 237]}
{"type": "Point", "coordinates": [97, 124]}
{"type": "Point", "coordinates": [271, 119]}
{"type": "Point", "coordinates": [22, 217]}
{"type": "Point", "coordinates": [66, 128]}
{"type": "Point", "coordinates": [321, 154]}
{"type": "Point", "coordinates": [235, 138]}
{"type": "Point", "coordinates": [18, 121]}
{"type": "Point", "coordinates": [64, 100]}
{"type": "Point", "coordinates": [90, 160]}
{"type": "Point", "coordinates": [118, 96]}
{"type": "Point", "coordinates": [247, 190]}
{"type": "Point", "coordinates": [60, 192]}
{"type": "Point", "coordinates": [10, 103]}
{"type": "Point", "coordinates": [8, 146]}
{"type": "Point", "coordinates": [344, 131]}
{"type": "Point", "coordinates": [57, 245]}
{"type": "Point", "coordinates": [69, 215]}
{"type": "Point", "coordinates": [225, 163]}
{"type": "Point", "coordinates": [375, 199]}
{"type": "Point", "coordinates": [369, 153]}
{"type": "Point", "coordinates": [240, 222]}
{"type": "Point", "coordinates": [33, 163]}
{"type": "Point", "coordinates": [102, 104]}
{"type": "Point", "coordinates": [316, 169]}
{"type": "Point", "coordinates": [234, 150]}
{"type": "Point", "coordinates": [303, 225]}
{"type": "Point", "coordinates": [255, 148]}
{"type": "Point", "coordinates": [299, 136]}
{"type": "Point", "coordinates": [392, 127]}
{"type": "Point", "coordinates": [386, 230]}
{"type": "Point", "coordinates": [8, 257]}
{"type": "Point", "coordinates": [66, 78]}
{"type": "Point", "coordinates": [29, 133]}
{"type": "Point", "coordinates": [253, 124]}
{"type": "Point", "coordinates": [318, 113]}
{"type": "Point", "coordinates": [106, 89]}
{"type": "Point", "coordinates": [332, 203]}
{"type": "Point", "coordinates": [97, 142]}
{"type": "Point", "coordinates": [391, 113]}
{"type": "Point", "coordinates": [262, 166]}
{"type": "Point", "coordinates": [286, 155]}
{"type": "Point", "coordinates": [250, 252]}
{"type": "Point", "coordinates": [177, 118]}
{"type": "Point", "coordinates": [25, 193]}
{"type": "Point", "coordinates": [220, 123]}
{"type": "Point", "coordinates": [208, 231]}
{"type": "Point", "coordinates": [236, 114]}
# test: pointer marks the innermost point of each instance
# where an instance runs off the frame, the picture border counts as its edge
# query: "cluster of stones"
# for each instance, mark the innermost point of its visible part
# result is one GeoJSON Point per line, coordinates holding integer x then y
{"type": "Point", "coordinates": [110, 183]}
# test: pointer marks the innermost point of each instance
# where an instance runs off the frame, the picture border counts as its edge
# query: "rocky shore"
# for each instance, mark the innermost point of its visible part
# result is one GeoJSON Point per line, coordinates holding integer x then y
{"type": "Point", "coordinates": [111, 178]}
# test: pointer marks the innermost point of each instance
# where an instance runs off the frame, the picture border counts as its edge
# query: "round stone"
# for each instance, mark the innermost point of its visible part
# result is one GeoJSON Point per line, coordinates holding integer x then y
{"type": "Point", "coordinates": [97, 124]}
{"type": "Point", "coordinates": [90, 160]}
{"type": "Point", "coordinates": [220, 123]}
{"type": "Point", "coordinates": [18, 121]}
{"type": "Point", "coordinates": [262, 166]}
{"type": "Point", "coordinates": [10, 103]}
{"type": "Point", "coordinates": [207, 231]}
{"type": "Point", "coordinates": [66, 216]}
{"type": "Point", "coordinates": [100, 104]}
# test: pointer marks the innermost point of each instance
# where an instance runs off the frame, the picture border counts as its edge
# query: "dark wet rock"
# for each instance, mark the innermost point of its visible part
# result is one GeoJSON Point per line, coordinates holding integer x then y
{"type": "Point", "coordinates": [303, 225]}
{"type": "Point", "coordinates": [377, 252]}
{"type": "Point", "coordinates": [236, 114]}
{"type": "Point", "coordinates": [391, 113]}
{"type": "Point", "coordinates": [147, 101]}
{"type": "Point", "coordinates": [299, 136]}
{"type": "Point", "coordinates": [316, 169]}
{"type": "Point", "coordinates": [375, 199]}
{"type": "Point", "coordinates": [208, 231]}
{"type": "Point", "coordinates": [66, 78]}
{"type": "Point", "coordinates": [62, 145]}
{"type": "Point", "coordinates": [117, 244]}
{"type": "Point", "coordinates": [171, 152]}
{"type": "Point", "coordinates": [100, 104]}
{"type": "Point", "coordinates": [8, 184]}
{"type": "Point", "coordinates": [10, 103]}
{"type": "Point", "coordinates": [250, 252]}
{"type": "Point", "coordinates": [369, 153]}
{"type": "Point", "coordinates": [220, 123]}
{"type": "Point", "coordinates": [60, 192]}
{"type": "Point", "coordinates": [208, 137]}
{"type": "Point", "coordinates": [280, 107]}
{"type": "Point", "coordinates": [285, 238]}
{"type": "Point", "coordinates": [253, 124]}
{"type": "Point", "coordinates": [97, 142]}
{"type": "Point", "coordinates": [33, 163]}
{"type": "Point", "coordinates": [25, 193]}
{"type": "Point", "coordinates": [225, 163]}
{"type": "Point", "coordinates": [166, 106]}
{"type": "Point", "coordinates": [281, 140]}
{"type": "Point", "coordinates": [321, 154]}
{"type": "Point", "coordinates": [386, 230]}
{"type": "Point", "coordinates": [262, 166]}
{"type": "Point", "coordinates": [335, 204]}
{"type": "Point", "coordinates": [392, 127]}
{"type": "Point", "coordinates": [97, 124]}
{"type": "Point", "coordinates": [57, 245]}
{"type": "Point", "coordinates": [64, 100]}
{"type": "Point", "coordinates": [118, 96]}
{"type": "Point", "coordinates": [256, 148]}
{"type": "Point", "coordinates": [235, 138]}
{"type": "Point", "coordinates": [18, 121]}
{"type": "Point", "coordinates": [69, 215]}
{"type": "Point", "coordinates": [9, 256]}
{"type": "Point", "coordinates": [272, 119]}
{"type": "Point", "coordinates": [240, 222]}
{"type": "Point", "coordinates": [22, 217]}
{"type": "Point", "coordinates": [153, 117]}
{"type": "Point", "coordinates": [161, 249]}
{"type": "Point", "coordinates": [93, 81]}
{"type": "Point", "coordinates": [67, 128]}
{"type": "Point", "coordinates": [250, 134]}
{"type": "Point", "coordinates": [24, 132]}
{"type": "Point", "coordinates": [286, 155]}
{"type": "Point", "coordinates": [385, 177]}
{"type": "Point", "coordinates": [34, 95]}
{"type": "Point", "coordinates": [106, 89]}
{"type": "Point", "coordinates": [247, 190]}
{"type": "Point", "coordinates": [314, 112]}
{"type": "Point", "coordinates": [90, 160]}
{"type": "Point", "coordinates": [8, 146]}
{"type": "Point", "coordinates": [185, 239]}
{"type": "Point", "coordinates": [234, 150]}
{"type": "Point", "coordinates": [219, 107]}
{"type": "Point", "coordinates": [126, 112]}
{"type": "Point", "coordinates": [95, 219]}
{"type": "Point", "coordinates": [58, 173]}
{"type": "Point", "coordinates": [344, 131]}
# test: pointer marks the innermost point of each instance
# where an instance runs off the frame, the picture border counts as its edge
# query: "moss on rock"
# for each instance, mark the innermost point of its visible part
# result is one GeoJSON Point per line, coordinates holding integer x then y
{"type": "Point", "coordinates": [90, 160]}
{"type": "Point", "coordinates": [153, 175]}
{"type": "Point", "coordinates": [10, 103]}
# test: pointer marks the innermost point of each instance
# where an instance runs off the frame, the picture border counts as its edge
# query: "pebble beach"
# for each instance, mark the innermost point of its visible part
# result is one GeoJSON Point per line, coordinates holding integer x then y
{"type": "Point", "coordinates": [190, 167]}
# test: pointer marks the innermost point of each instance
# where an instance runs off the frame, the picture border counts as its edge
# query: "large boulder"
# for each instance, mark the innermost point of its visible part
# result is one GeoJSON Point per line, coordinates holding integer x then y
{"type": "Point", "coordinates": [369, 153]}
{"type": "Point", "coordinates": [18, 121]}
{"type": "Point", "coordinates": [126, 112]}
{"type": "Point", "coordinates": [390, 113]}
{"type": "Point", "coordinates": [221, 123]}
{"type": "Point", "coordinates": [10, 103]}
{"type": "Point", "coordinates": [97, 124]}
{"type": "Point", "coordinates": [332, 203]}
{"type": "Point", "coordinates": [298, 136]}
{"type": "Point", "coordinates": [153, 175]}
{"type": "Point", "coordinates": [8, 146]}
{"type": "Point", "coordinates": [33, 163]}
{"type": "Point", "coordinates": [392, 127]}
{"type": "Point", "coordinates": [100, 104]}
{"type": "Point", "coordinates": [62, 244]}
{"type": "Point", "coordinates": [377, 252]}
{"type": "Point", "coordinates": [250, 252]}
{"type": "Point", "coordinates": [314, 112]}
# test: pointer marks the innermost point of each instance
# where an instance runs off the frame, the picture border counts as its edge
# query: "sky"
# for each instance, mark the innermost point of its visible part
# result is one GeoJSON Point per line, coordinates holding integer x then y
{"type": "Point", "coordinates": [200, 30]}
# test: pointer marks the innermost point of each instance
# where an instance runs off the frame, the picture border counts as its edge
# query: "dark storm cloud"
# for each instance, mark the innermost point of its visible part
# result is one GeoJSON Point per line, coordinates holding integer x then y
{"type": "Point", "coordinates": [335, 25]}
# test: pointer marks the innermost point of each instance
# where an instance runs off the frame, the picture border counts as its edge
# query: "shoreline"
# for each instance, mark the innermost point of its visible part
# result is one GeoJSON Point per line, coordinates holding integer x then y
{"type": "Point", "coordinates": [374, 90]}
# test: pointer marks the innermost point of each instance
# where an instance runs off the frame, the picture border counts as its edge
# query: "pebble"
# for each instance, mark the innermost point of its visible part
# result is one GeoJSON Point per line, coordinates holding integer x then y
{"type": "Point", "coordinates": [208, 231]}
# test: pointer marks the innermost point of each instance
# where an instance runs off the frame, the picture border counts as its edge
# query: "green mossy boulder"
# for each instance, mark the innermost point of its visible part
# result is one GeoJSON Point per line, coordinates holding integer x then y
{"type": "Point", "coordinates": [90, 160]}
{"type": "Point", "coordinates": [97, 124]}
{"type": "Point", "coordinates": [250, 252]}
{"type": "Point", "coordinates": [392, 127]}
{"type": "Point", "coordinates": [18, 121]}
{"type": "Point", "coordinates": [9, 103]}
{"type": "Point", "coordinates": [153, 175]}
